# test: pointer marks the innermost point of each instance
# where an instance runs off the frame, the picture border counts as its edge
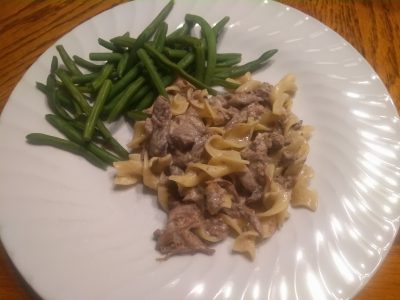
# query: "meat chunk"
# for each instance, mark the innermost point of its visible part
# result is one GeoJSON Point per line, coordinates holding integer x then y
{"type": "Point", "coordinates": [240, 210]}
{"type": "Point", "coordinates": [239, 117]}
{"type": "Point", "coordinates": [255, 110]}
{"type": "Point", "coordinates": [216, 227]}
{"type": "Point", "coordinates": [277, 140]}
{"type": "Point", "coordinates": [185, 129]}
{"type": "Point", "coordinates": [178, 238]}
{"type": "Point", "coordinates": [223, 111]}
{"type": "Point", "coordinates": [193, 194]}
{"type": "Point", "coordinates": [182, 158]}
{"type": "Point", "coordinates": [160, 122]}
{"type": "Point", "coordinates": [258, 148]}
{"type": "Point", "coordinates": [249, 180]}
{"type": "Point", "coordinates": [264, 91]}
{"type": "Point", "coordinates": [173, 242]}
{"type": "Point", "coordinates": [214, 197]}
{"type": "Point", "coordinates": [241, 100]}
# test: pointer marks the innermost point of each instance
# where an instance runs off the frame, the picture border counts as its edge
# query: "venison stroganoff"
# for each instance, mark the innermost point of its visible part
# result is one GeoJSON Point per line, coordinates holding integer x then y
{"type": "Point", "coordinates": [225, 165]}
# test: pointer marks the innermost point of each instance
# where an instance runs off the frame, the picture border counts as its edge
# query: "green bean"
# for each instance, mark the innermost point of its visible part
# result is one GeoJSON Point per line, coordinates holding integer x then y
{"type": "Point", "coordinates": [111, 103]}
{"type": "Point", "coordinates": [87, 64]}
{"type": "Point", "coordinates": [54, 65]}
{"type": "Point", "coordinates": [118, 149]}
{"type": "Point", "coordinates": [167, 80]}
{"type": "Point", "coordinates": [168, 63]}
{"type": "Point", "coordinates": [68, 62]}
{"type": "Point", "coordinates": [221, 57]}
{"type": "Point", "coordinates": [79, 125]}
{"type": "Point", "coordinates": [52, 100]}
{"type": "Point", "coordinates": [147, 101]}
{"type": "Point", "coordinates": [102, 153]}
{"type": "Point", "coordinates": [71, 88]}
{"type": "Point", "coordinates": [174, 53]}
{"type": "Point", "coordinates": [181, 31]}
{"type": "Point", "coordinates": [123, 102]}
{"type": "Point", "coordinates": [63, 126]}
{"type": "Point", "coordinates": [137, 115]}
{"type": "Point", "coordinates": [151, 69]}
{"type": "Point", "coordinates": [160, 36]}
{"type": "Point", "coordinates": [108, 45]}
{"type": "Point", "coordinates": [145, 97]}
{"type": "Point", "coordinates": [211, 40]}
{"type": "Point", "coordinates": [85, 78]}
{"type": "Point", "coordinates": [186, 60]}
{"type": "Point", "coordinates": [48, 140]}
{"type": "Point", "coordinates": [96, 110]}
{"type": "Point", "coordinates": [124, 81]}
{"type": "Point", "coordinates": [199, 50]}
{"type": "Point", "coordinates": [46, 90]}
{"type": "Point", "coordinates": [123, 41]}
{"type": "Point", "coordinates": [105, 73]}
{"type": "Point", "coordinates": [218, 28]}
{"type": "Point", "coordinates": [227, 63]}
{"type": "Point", "coordinates": [42, 87]}
{"type": "Point", "coordinates": [121, 67]}
{"type": "Point", "coordinates": [85, 89]}
{"type": "Point", "coordinates": [149, 31]}
{"type": "Point", "coordinates": [144, 90]}
{"type": "Point", "coordinates": [71, 132]}
{"type": "Point", "coordinates": [105, 56]}
{"type": "Point", "coordinates": [65, 101]}
{"type": "Point", "coordinates": [248, 67]}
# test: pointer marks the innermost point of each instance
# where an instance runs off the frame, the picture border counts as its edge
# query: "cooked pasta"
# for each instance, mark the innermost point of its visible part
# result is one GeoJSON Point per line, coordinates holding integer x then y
{"type": "Point", "coordinates": [224, 165]}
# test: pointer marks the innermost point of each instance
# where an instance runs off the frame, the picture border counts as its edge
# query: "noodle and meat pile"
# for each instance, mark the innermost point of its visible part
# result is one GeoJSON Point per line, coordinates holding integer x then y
{"type": "Point", "coordinates": [221, 165]}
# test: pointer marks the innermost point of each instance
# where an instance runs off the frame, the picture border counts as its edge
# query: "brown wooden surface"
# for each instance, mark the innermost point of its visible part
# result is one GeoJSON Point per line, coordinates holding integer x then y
{"type": "Point", "coordinates": [28, 28]}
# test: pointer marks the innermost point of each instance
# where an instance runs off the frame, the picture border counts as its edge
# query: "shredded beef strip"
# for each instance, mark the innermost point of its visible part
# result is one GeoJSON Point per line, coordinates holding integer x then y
{"type": "Point", "coordinates": [214, 197]}
{"type": "Point", "coordinates": [185, 129]}
{"type": "Point", "coordinates": [216, 227]}
{"type": "Point", "coordinates": [178, 238]}
{"type": "Point", "coordinates": [160, 123]}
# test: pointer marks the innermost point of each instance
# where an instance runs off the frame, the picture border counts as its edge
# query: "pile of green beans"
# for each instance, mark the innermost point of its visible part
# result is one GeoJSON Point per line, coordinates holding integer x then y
{"type": "Point", "coordinates": [126, 79]}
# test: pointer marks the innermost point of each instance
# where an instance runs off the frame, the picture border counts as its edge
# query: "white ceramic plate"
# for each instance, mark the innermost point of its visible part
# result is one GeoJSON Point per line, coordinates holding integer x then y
{"type": "Point", "coordinates": [73, 237]}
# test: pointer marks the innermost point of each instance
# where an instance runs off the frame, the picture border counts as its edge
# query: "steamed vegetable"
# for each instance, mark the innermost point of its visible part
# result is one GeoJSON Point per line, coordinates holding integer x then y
{"type": "Point", "coordinates": [128, 76]}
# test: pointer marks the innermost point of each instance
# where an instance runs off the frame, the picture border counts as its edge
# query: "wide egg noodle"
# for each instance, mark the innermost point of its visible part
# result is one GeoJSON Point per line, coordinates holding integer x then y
{"type": "Point", "coordinates": [216, 146]}
{"type": "Point", "coordinates": [268, 225]}
{"type": "Point", "coordinates": [191, 178]}
{"type": "Point", "coordinates": [302, 195]}
{"type": "Point", "coordinates": [163, 196]}
{"type": "Point", "coordinates": [128, 172]}
{"type": "Point", "coordinates": [282, 94]}
{"type": "Point", "coordinates": [140, 135]}
{"type": "Point", "coordinates": [158, 164]}
{"type": "Point", "coordinates": [279, 198]}
{"type": "Point", "coordinates": [179, 105]}
{"type": "Point", "coordinates": [202, 233]}
{"type": "Point", "coordinates": [214, 171]}
{"type": "Point", "coordinates": [246, 243]}
{"type": "Point", "coordinates": [248, 86]}
{"type": "Point", "coordinates": [233, 223]}
{"type": "Point", "coordinates": [149, 179]}
{"type": "Point", "coordinates": [240, 133]}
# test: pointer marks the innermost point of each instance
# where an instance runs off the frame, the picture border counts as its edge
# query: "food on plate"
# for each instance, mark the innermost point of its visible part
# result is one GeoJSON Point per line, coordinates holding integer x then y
{"type": "Point", "coordinates": [227, 164]}
{"type": "Point", "coordinates": [126, 79]}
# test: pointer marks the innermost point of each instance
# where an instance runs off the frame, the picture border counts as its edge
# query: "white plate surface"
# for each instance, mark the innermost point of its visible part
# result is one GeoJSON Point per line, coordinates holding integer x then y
{"type": "Point", "coordinates": [73, 237]}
